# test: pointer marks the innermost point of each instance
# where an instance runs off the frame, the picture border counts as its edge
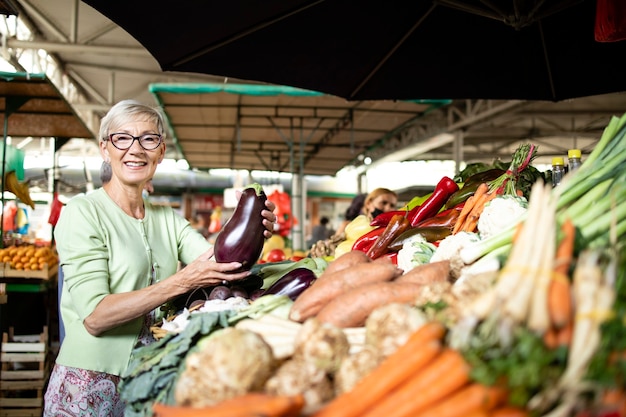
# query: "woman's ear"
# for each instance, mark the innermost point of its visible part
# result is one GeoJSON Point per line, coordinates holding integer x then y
{"type": "Point", "coordinates": [162, 153]}
{"type": "Point", "coordinates": [104, 152]}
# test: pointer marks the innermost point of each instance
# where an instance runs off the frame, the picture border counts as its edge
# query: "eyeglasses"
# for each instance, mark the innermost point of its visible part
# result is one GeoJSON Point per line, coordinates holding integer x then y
{"type": "Point", "coordinates": [123, 141]}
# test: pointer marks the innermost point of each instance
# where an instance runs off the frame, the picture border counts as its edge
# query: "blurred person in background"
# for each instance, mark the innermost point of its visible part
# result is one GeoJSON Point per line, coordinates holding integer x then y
{"type": "Point", "coordinates": [380, 200]}
{"type": "Point", "coordinates": [321, 231]}
{"type": "Point", "coordinates": [120, 257]}
{"type": "Point", "coordinates": [354, 210]}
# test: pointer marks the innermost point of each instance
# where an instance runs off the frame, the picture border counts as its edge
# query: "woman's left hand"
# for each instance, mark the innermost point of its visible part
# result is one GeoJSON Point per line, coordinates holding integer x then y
{"type": "Point", "coordinates": [269, 218]}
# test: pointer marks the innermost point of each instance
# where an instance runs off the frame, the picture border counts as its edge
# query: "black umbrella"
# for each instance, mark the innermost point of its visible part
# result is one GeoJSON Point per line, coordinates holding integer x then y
{"type": "Point", "coordinates": [384, 49]}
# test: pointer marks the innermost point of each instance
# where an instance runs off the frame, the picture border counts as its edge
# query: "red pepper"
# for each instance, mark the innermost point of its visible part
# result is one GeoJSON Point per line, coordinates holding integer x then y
{"type": "Point", "coordinates": [367, 240]}
{"type": "Point", "coordinates": [383, 218]}
{"type": "Point", "coordinates": [398, 224]}
{"type": "Point", "coordinates": [446, 218]}
{"type": "Point", "coordinates": [444, 189]}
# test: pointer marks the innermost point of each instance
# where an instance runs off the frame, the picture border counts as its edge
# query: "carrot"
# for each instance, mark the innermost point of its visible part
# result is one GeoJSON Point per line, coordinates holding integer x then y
{"type": "Point", "coordinates": [550, 338]}
{"type": "Point", "coordinates": [564, 335]}
{"type": "Point", "coordinates": [518, 230]}
{"type": "Point", "coordinates": [560, 305]}
{"type": "Point", "coordinates": [445, 375]}
{"type": "Point", "coordinates": [477, 413]}
{"type": "Point", "coordinates": [347, 260]}
{"type": "Point", "coordinates": [471, 397]}
{"type": "Point", "coordinates": [479, 205]}
{"type": "Point", "coordinates": [406, 362]}
{"type": "Point", "coordinates": [351, 308]}
{"type": "Point", "coordinates": [247, 405]}
{"type": "Point", "coordinates": [508, 411]}
{"type": "Point", "coordinates": [482, 189]}
{"type": "Point", "coordinates": [314, 298]}
{"type": "Point", "coordinates": [427, 273]}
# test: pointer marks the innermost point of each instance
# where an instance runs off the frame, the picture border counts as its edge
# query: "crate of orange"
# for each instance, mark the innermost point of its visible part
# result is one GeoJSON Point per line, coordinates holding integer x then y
{"type": "Point", "coordinates": [28, 261]}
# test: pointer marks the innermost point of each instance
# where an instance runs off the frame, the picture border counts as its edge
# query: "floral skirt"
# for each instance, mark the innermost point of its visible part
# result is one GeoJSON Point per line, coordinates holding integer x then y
{"type": "Point", "coordinates": [76, 392]}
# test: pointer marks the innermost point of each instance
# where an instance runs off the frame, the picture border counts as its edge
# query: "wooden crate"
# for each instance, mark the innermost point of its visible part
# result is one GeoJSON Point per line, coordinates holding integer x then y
{"type": "Point", "coordinates": [46, 273]}
{"type": "Point", "coordinates": [23, 374]}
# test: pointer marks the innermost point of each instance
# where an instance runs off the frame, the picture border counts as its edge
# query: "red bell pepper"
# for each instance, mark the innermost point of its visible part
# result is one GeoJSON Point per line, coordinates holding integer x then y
{"type": "Point", "coordinates": [365, 242]}
{"type": "Point", "coordinates": [444, 189]}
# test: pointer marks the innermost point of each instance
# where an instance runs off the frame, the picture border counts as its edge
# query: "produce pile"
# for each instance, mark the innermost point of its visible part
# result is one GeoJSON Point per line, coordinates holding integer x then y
{"type": "Point", "coordinates": [513, 305]}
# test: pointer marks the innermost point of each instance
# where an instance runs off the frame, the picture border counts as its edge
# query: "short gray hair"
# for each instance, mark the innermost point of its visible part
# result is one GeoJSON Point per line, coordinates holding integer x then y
{"type": "Point", "coordinates": [127, 111]}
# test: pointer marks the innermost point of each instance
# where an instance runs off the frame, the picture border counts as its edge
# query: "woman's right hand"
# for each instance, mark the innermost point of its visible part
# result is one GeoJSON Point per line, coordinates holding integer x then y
{"type": "Point", "coordinates": [204, 272]}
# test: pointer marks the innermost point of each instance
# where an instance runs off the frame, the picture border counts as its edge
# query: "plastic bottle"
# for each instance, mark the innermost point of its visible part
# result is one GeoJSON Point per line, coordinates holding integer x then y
{"type": "Point", "coordinates": [573, 159]}
{"type": "Point", "coordinates": [558, 170]}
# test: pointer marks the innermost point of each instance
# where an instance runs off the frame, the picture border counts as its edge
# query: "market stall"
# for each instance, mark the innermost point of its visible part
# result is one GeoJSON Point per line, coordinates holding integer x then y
{"type": "Point", "coordinates": [497, 295]}
{"type": "Point", "coordinates": [30, 105]}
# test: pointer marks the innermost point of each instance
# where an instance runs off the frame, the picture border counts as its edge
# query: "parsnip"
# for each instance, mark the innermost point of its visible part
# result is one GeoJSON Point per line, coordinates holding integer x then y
{"type": "Point", "coordinates": [522, 267]}
{"type": "Point", "coordinates": [539, 318]}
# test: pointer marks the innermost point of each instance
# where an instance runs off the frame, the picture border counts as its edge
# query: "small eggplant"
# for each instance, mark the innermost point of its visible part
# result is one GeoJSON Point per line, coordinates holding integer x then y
{"type": "Point", "coordinates": [293, 283]}
{"type": "Point", "coordinates": [250, 283]}
{"type": "Point", "coordinates": [242, 239]}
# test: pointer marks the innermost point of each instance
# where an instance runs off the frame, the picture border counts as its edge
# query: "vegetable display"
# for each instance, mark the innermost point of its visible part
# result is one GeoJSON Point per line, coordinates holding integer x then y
{"type": "Point", "coordinates": [443, 190]}
{"type": "Point", "coordinates": [293, 283]}
{"type": "Point", "coordinates": [515, 309]}
{"type": "Point", "coordinates": [241, 239]}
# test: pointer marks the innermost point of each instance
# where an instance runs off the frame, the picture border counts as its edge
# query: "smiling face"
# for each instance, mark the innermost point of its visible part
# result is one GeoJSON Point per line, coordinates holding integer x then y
{"type": "Point", "coordinates": [134, 166]}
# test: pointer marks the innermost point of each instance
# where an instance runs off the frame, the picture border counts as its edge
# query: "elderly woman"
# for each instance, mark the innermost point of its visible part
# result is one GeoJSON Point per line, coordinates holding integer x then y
{"type": "Point", "coordinates": [119, 255]}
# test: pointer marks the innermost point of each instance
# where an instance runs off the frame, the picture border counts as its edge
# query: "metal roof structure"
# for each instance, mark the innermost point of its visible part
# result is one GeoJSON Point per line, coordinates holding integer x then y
{"type": "Point", "coordinates": [104, 64]}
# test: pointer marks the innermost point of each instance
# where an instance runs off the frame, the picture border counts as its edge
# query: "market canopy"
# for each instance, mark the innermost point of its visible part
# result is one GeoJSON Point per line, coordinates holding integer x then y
{"type": "Point", "coordinates": [33, 106]}
{"type": "Point", "coordinates": [277, 128]}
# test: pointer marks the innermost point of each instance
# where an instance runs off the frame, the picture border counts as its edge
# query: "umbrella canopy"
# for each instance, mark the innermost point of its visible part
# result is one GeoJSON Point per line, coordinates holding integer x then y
{"type": "Point", "coordinates": [391, 49]}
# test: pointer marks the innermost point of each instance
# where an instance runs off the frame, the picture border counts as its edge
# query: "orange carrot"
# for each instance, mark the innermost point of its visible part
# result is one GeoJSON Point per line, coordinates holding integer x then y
{"type": "Point", "coordinates": [560, 305]}
{"type": "Point", "coordinates": [351, 308]}
{"type": "Point", "coordinates": [477, 413]}
{"type": "Point", "coordinates": [247, 405]}
{"type": "Point", "coordinates": [483, 188]}
{"type": "Point", "coordinates": [564, 335]}
{"type": "Point", "coordinates": [406, 362]}
{"type": "Point", "coordinates": [471, 397]}
{"type": "Point", "coordinates": [445, 375]}
{"type": "Point", "coordinates": [508, 411]}
{"type": "Point", "coordinates": [311, 301]}
{"type": "Point", "coordinates": [550, 338]}
{"type": "Point", "coordinates": [479, 205]}
{"type": "Point", "coordinates": [518, 229]}
{"type": "Point", "coordinates": [427, 273]}
{"type": "Point", "coordinates": [460, 220]}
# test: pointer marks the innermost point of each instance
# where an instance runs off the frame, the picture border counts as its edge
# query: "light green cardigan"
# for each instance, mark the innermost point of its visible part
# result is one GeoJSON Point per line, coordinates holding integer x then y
{"type": "Point", "coordinates": [103, 251]}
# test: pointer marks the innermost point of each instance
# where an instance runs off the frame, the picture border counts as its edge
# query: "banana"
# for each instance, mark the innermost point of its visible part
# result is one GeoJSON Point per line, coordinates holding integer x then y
{"type": "Point", "coordinates": [20, 189]}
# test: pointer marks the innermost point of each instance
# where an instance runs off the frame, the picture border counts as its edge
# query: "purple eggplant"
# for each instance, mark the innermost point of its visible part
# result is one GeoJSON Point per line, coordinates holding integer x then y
{"type": "Point", "coordinates": [242, 239]}
{"type": "Point", "coordinates": [293, 283]}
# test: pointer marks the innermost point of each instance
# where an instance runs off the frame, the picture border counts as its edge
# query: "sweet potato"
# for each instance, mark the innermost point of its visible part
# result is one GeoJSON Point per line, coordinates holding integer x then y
{"type": "Point", "coordinates": [427, 273]}
{"type": "Point", "coordinates": [314, 298]}
{"type": "Point", "coordinates": [351, 308]}
{"type": "Point", "coordinates": [345, 261]}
